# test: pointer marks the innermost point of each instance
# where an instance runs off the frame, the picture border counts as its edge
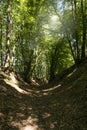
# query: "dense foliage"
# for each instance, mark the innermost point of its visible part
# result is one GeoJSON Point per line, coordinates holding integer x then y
{"type": "Point", "coordinates": [41, 38]}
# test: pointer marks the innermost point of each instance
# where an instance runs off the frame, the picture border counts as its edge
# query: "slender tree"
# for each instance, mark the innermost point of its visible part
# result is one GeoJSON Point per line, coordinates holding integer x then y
{"type": "Point", "coordinates": [84, 27]}
{"type": "Point", "coordinates": [8, 34]}
{"type": "Point", "coordinates": [1, 54]}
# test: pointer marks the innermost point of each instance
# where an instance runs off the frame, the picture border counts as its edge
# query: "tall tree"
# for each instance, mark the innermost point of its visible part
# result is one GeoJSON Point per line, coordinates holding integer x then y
{"type": "Point", "coordinates": [8, 34]}
{"type": "Point", "coordinates": [1, 30]}
{"type": "Point", "coordinates": [74, 13]}
{"type": "Point", "coordinates": [84, 26]}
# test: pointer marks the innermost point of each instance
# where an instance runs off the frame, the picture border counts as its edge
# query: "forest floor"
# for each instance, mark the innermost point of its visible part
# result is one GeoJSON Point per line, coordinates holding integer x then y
{"type": "Point", "coordinates": [61, 105]}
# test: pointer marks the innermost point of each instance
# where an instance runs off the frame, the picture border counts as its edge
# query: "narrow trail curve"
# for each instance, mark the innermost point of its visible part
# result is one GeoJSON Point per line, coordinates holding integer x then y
{"type": "Point", "coordinates": [50, 111]}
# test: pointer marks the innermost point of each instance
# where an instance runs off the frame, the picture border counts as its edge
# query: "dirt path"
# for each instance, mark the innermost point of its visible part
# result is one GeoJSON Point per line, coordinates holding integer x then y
{"type": "Point", "coordinates": [41, 110]}
{"type": "Point", "coordinates": [36, 111]}
{"type": "Point", "coordinates": [62, 106]}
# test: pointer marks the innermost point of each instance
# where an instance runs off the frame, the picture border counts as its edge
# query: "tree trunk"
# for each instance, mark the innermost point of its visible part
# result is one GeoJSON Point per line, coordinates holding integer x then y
{"type": "Point", "coordinates": [1, 55]}
{"type": "Point", "coordinates": [76, 27]}
{"type": "Point", "coordinates": [7, 61]}
{"type": "Point", "coordinates": [84, 28]}
{"type": "Point", "coordinates": [27, 71]}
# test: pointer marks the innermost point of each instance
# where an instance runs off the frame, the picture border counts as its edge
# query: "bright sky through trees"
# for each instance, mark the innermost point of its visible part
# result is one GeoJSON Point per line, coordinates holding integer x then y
{"type": "Point", "coordinates": [54, 19]}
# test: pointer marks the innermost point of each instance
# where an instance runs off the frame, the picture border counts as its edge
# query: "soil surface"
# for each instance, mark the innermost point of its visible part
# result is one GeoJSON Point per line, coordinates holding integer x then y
{"type": "Point", "coordinates": [60, 105]}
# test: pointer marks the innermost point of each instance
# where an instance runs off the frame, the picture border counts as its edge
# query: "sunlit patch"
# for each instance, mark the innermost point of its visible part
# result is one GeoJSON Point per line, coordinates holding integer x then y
{"type": "Point", "coordinates": [31, 120]}
{"type": "Point", "coordinates": [15, 86]}
{"type": "Point", "coordinates": [72, 72]}
{"type": "Point", "coordinates": [30, 108]}
{"type": "Point", "coordinates": [13, 79]}
{"type": "Point", "coordinates": [29, 124]}
{"type": "Point", "coordinates": [1, 114]}
{"type": "Point", "coordinates": [13, 82]}
{"type": "Point", "coordinates": [20, 115]}
{"type": "Point", "coordinates": [46, 115]}
{"type": "Point", "coordinates": [22, 107]}
{"type": "Point", "coordinates": [53, 88]}
{"type": "Point", "coordinates": [52, 125]}
{"type": "Point", "coordinates": [45, 94]}
{"type": "Point", "coordinates": [16, 124]}
{"type": "Point", "coordinates": [30, 128]}
{"type": "Point", "coordinates": [34, 82]}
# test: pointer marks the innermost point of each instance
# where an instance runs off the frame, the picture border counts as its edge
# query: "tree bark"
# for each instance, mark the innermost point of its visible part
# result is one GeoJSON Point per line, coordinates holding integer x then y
{"type": "Point", "coordinates": [1, 55]}
{"type": "Point", "coordinates": [83, 8]}
{"type": "Point", "coordinates": [7, 61]}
